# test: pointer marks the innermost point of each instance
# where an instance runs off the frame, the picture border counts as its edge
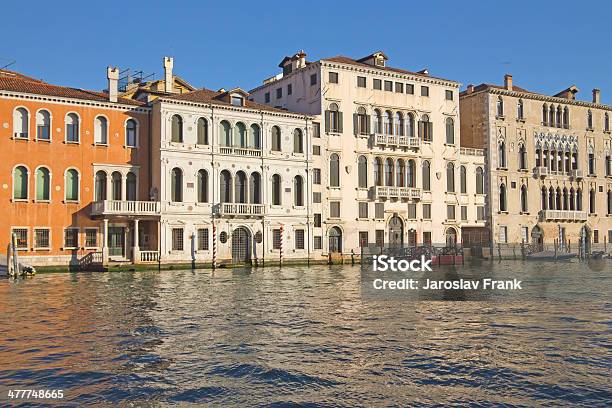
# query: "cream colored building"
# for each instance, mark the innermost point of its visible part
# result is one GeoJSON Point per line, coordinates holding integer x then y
{"type": "Point", "coordinates": [549, 170]}
{"type": "Point", "coordinates": [387, 161]}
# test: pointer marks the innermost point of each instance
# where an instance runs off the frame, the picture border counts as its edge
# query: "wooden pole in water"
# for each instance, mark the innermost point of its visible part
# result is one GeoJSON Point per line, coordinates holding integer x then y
{"type": "Point", "coordinates": [282, 232]}
{"type": "Point", "coordinates": [214, 259]}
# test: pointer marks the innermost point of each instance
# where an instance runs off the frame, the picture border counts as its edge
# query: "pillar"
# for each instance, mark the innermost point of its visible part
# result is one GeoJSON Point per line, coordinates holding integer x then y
{"type": "Point", "coordinates": [136, 244]}
{"type": "Point", "coordinates": [105, 243]}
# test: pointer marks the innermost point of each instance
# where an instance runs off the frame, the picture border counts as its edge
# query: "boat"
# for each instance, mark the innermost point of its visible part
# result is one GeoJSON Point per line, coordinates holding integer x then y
{"type": "Point", "coordinates": [550, 256]}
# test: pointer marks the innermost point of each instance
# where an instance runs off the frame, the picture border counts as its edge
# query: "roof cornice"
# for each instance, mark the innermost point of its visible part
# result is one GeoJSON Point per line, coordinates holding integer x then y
{"type": "Point", "coordinates": [74, 101]}
{"type": "Point", "coordinates": [234, 108]}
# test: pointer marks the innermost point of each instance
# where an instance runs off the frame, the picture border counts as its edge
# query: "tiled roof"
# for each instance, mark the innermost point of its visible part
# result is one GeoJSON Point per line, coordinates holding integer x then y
{"type": "Point", "coordinates": [22, 83]}
{"type": "Point", "coordinates": [483, 87]}
{"type": "Point", "coordinates": [13, 74]}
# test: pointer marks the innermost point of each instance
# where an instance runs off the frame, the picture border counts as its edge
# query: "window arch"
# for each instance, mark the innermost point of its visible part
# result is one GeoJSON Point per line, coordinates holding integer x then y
{"type": "Point", "coordinates": [131, 133]}
{"type": "Point", "coordinates": [398, 124]}
{"type": "Point", "coordinates": [462, 180]}
{"type": "Point", "coordinates": [176, 185]}
{"type": "Point", "coordinates": [411, 173]}
{"type": "Point", "coordinates": [72, 185]}
{"type": "Point", "coordinates": [426, 175]}
{"type": "Point", "coordinates": [592, 201]}
{"type": "Point", "coordinates": [544, 114]}
{"type": "Point", "coordinates": [225, 186]}
{"type": "Point", "coordinates": [551, 115]}
{"type": "Point", "coordinates": [378, 171]}
{"type": "Point", "coordinates": [502, 197]}
{"type": "Point", "coordinates": [410, 125]}
{"type": "Point", "coordinates": [400, 173]}
{"type": "Point", "coordinates": [388, 123]}
{"type": "Point", "coordinates": [579, 199]}
{"type": "Point", "coordinates": [298, 141]}
{"type": "Point", "coordinates": [202, 136]}
{"type": "Point", "coordinates": [226, 133]}
{"type": "Point", "coordinates": [202, 186]}
{"type": "Point", "coordinates": [276, 139]}
{"type": "Point", "coordinates": [501, 146]}
{"type": "Point", "coordinates": [450, 131]}
{"type": "Point", "coordinates": [254, 136]}
{"type": "Point", "coordinates": [389, 172]}
{"type": "Point", "coordinates": [100, 185]}
{"type": "Point", "coordinates": [524, 204]}
{"type": "Point", "coordinates": [240, 135]}
{"type": "Point", "coordinates": [362, 122]}
{"type": "Point", "coordinates": [426, 129]}
{"type": "Point", "coordinates": [334, 170]}
{"type": "Point", "coordinates": [334, 123]}
{"type": "Point", "coordinates": [559, 117]}
{"type": "Point", "coordinates": [116, 180]}
{"type": "Point", "coordinates": [276, 190]}
{"type": "Point", "coordinates": [20, 183]}
{"type": "Point", "coordinates": [43, 125]}
{"type": "Point", "coordinates": [72, 128]}
{"type": "Point", "coordinates": [500, 107]}
{"type": "Point", "coordinates": [130, 187]}
{"type": "Point", "coordinates": [240, 187]}
{"type": "Point", "coordinates": [522, 157]}
{"type": "Point", "coordinates": [362, 172]}
{"type": "Point", "coordinates": [255, 188]}
{"type": "Point", "coordinates": [43, 184]}
{"type": "Point", "coordinates": [177, 129]}
{"type": "Point", "coordinates": [479, 181]}
{"type": "Point", "coordinates": [590, 119]}
{"type": "Point", "coordinates": [566, 117]}
{"type": "Point", "coordinates": [21, 120]}
{"type": "Point", "coordinates": [450, 177]}
{"type": "Point", "coordinates": [606, 125]}
{"type": "Point", "coordinates": [378, 125]}
{"type": "Point", "coordinates": [298, 191]}
{"type": "Point", "coordinates": [520, 109]}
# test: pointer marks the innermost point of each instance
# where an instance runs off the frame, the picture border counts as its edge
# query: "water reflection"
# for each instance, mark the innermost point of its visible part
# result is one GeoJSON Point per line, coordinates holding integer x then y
{"type": "Point", "coordinates": [304, 336]}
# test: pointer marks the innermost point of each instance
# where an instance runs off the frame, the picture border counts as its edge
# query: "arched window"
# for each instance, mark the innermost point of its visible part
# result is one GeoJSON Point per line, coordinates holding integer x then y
{"type": "Point", "coordinates": [558, 199]}
{"type": "Point", "coordinates": [334, 124]}
{"type": "Point", "coordinates": [450, 177]}
{"type": "Point", "coordinates": [378, 171]}
{"type": "Point", "coordinates": [522, 157]}
{"type": "Point", "coordinates": [606, 122]}
{"type": "Point", "coordinates": [462, 180]}
{"type": "Point", "coordinates": [590, 119]}
{"type": "Point", "coordinates": [255, 188]}
{"type": "Point", "coordinates": [72, 128]}
{"type": "Point", "coordinates": [131, 133]}
{"type": "Point", "coordinates": [116, 185]}
{"type": "Point", "coordinates": [400, 173]}
{"type": "Point", "coordinates": [502, 197]}
{"type": "Point", "coordinates": [389, 172]}
{"type": "Point", "coordinates": [551, 199]}
{"type": "Point", "coordinates": [176, 185]}
{"type": "Point", "coordinates": [592, 201]}
{"type": "Point", "coordinates": [202, 186]}
{"type": "Point", "coordinates": [410, 125]}
{"type": "Point", "coordinates": [544, 114]}
{"type": "Point", "coordinates": [130, 187]}
{"type": "Point", "coordinates": [551, 116]}
{"type": "Point", "coordinates": [609, 202]}
{"type": "Point", "coordinates": [398, 124]}
{"type": "Point", "coordinates": [450, 131]}
{"type": "Point", "coordinates": [559, 117]}
{"type": "Point", "coordinates": [254, 137]}
{"type": "Point", "coordinates": [225, 186]}
{"type": "Point", "coordinates": [378, 125]}
{"type": "Point", "coordinates": [502, 154]}
{"type": "Point", "coordinates": [566, 117]}
{"type": "Point", "coordinates": [565, 199]}
{"type": "Point", "coordinates": [240, 188]}
{"type": "Point", "coordinates": [479, 181]}
{"type": "Point", "coordinates": [43, 184]}
{"type": "Point", "coordinates": [298, 191]}
{"type": "Point", "coordinates": [240, 135]}
{"type": "Point", "coordinates": [72, 185]}
{"type": "Point", "coordinates": [276, 139]}
{"type": "Point", "coordinates": [524, 207]}
{"type": "Point", "coordinates": [500, 107]}
{"type": "Point", "coordinates": [226, 133]}
{"type": "Point", "coordinates": [21, 118]}
{"type": "Point", "coordinates": [334, 170]}
{"type": "Point", "coordinates": [298, 141]}
{"type": "Point", "coordinates": [100, 186]}
{"type": "Point", "coordinates": [177, 129]}
{"type": "Point", "coordinates": [411, 173]}
{"type": "Point", "coordinates": [572, 199]}
{"type": "Point", "coordinates": [579, 199]}
{"type": "Point", "coordinates": [362, 122]}
{"type": "Point", "coordinates": [202, 131]}
{"type": "Point", "coordinates": [426, 129]}
{"type": "Point", "coordinates": [520, 109]}
{"type": "Point", "coordinates": [388, 123]}
{"type": "Point", "coordinates": [276, 190]}
{"type": "Point", "coordinates": [43, 125]}
{"type": "Point", "coordinates": [362, 172]}
{"type": "Point", "coordinates": [544, 198]}
{"type": "Point", "coordinates": [426, 176]}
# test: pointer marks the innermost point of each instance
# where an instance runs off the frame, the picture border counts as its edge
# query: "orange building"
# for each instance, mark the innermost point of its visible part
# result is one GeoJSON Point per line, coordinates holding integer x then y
{"type": "Point", "coordinates": [65, 154]}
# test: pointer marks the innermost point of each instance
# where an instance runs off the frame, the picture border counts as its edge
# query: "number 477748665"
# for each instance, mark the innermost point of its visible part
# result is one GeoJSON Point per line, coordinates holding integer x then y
{"type": "Point", "coordinates": [36, 394]}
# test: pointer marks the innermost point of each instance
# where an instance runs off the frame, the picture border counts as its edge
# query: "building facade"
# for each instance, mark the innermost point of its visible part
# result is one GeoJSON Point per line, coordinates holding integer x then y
{"type": "Point", "coordinates": [548, 163]}
{"type": "Point", "coordinates": [388, 167]}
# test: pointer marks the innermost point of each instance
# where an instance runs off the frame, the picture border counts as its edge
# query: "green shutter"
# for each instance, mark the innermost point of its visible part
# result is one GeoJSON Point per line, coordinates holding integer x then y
{"type": "Point", "coordinates": [72, 185]}
{"type": "Point", "coordinates": [20, 183]}
{"type": "Point", "coordinates": [42, 184]}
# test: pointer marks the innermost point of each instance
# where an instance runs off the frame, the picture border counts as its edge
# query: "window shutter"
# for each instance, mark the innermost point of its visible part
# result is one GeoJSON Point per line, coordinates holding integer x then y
{"type": "Point", "coordinates": [340, 122]}
{"type": "Point", "coordinates": [355, 124]}
{"type": "Point", "coordinates": [367, 129]}
{"type": "Point", "coordinates": [327, 121]}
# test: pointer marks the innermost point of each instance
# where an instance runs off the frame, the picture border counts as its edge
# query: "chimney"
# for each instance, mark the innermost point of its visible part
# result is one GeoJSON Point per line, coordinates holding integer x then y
{"type": "Point", "coordinates": [596, 96]}
{"type": "Point", "coordinates": [301, 59]}
{"type": "Point", "coordinates": [168, 82]}
{"type": "Point", "coordinates": [112, 74]}
{"type": "Point", "coordinates": [508, 82]}
{"type": "Point", "coordinates": [470, 88]}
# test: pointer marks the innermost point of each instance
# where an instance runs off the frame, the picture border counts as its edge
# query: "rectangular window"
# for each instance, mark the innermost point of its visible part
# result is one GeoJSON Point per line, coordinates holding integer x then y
{"type": "Point", "coordinates": [279, 93]}
{"type": "Point", "coordinates": [316, 129]}
{"type": "Point", "coordinates": [412, 211]}
{"type": "Point", "coordinates": [177, 239]}
{"type": "Point", "coordinates": [237, 100]}
{"type": "Point", "coordinates": [316, 150]}
{"type": "Point", "coordinates": [363, 210]}
{"type": "Point", "coordinates": [424, 91]}
{"type": "Point", "coordinates": [379, 211]}
{"type": "Point", "coordinates": [333, 77]}
{"type": "Point", "coordinates": [316, 176]}
{"type": "Point", "coordinates": [317, 220]}
{"type": "Point", "coordinates": [503, 234]}
{"type": "Point", "coordinates": [449, 95]}
{"type": "Point", "coordinates": [313, 79]}
{"type": "Point", "coordinates": [377, 84]}
{"type": "Point", "coordinates": [276, 238]}
{"type": "Point", "coordinates": [427, 238]}
{"type": "Point", "coordinates": [91, 237]}
{"type": "Point", "coordinates": [363, 239]}
{"type": "Point", "coordinates": [42, 238]}
{"type": "Point", "coordinates": [361, 82]}
{"type": "Point", "coordinates": [427, 211]}
{"type": "Point", "coordinates": [334, 209]}
{"type": "Point", "coordinates": [299, 239]}
{"type": "Point", "coordinates": [399, 87]}
{"type": "Point", "coordinates": [463, 213]}
{"type": "Point", "coordinates": [71, 238]}
{"type": "Point", "coordinates": [202, 239]}
{"type": "Point", "coordinates": [380, 238]}
{"type": "Point", "coordinates": [525, 234]}
{"type": "Point", "coordinates": [316, 197]}
{"type": "Point", "coordinates": [267, 97]}
{"type": "Point", "coordinates": [410, 89]}
{"type": "Point", "coordinates": [450, 212]}
{"type": "Point", "coordinates": [596, 236]}
{"type": "Point", "coordinates": [289, 89]}
{"type": "Point", "coordinates": [318, 242]}
{"type": "Point", "coordinates": [389, 86]}
{"type": "Point", "coordinates": [21, 235]}
{"type": "Point", "coordinates": [480, 213]}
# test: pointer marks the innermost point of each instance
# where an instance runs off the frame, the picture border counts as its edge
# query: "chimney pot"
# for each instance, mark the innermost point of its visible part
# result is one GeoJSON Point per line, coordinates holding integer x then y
{"type": "Point", "coordinates": [168, 80]}
{"type": "Point", "coordinates": [470, 88]}
{"type": "Point", "coordinates": [596, 95]}
{"type": "Point", "coordinates": [508, 82]}
{"type": "Point", "coordinates": [112, 74]}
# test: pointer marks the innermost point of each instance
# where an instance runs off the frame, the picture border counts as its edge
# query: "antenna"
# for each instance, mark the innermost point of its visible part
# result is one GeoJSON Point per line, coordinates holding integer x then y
{"type": "Point", "coordinates": [129, 76]}
{"type": "Point", "coordinates": [10, 62]}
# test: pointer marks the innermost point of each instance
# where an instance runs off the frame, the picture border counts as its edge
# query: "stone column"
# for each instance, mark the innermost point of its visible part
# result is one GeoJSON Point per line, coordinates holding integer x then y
{"type": "Point", "coordinates": [136, 244]}
{"type": "Point", "coordinates": [105, 243]}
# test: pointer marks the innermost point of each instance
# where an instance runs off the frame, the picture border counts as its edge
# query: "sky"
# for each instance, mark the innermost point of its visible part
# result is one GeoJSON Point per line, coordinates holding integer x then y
{"type": "Point", "coordinates": [546, 46]}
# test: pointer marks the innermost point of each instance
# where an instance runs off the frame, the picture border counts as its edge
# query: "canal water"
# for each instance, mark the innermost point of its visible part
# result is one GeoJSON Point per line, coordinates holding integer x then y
{"type": "Point", "coordinates": [300, 336]}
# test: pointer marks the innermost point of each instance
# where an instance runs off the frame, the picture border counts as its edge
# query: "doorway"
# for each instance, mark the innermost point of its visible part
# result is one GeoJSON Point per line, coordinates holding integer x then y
{"type": "Point", "coordinates": [241, 248]}
{"type": "Point", "coordinates": [116, 241]}
{"type": "Point", "coordinates": [335, 240]}
{"type": "Point", "coordinates": [396, 231]}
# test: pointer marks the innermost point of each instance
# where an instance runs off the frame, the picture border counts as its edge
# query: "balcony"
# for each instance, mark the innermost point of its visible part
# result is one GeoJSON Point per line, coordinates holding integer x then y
{"type": "Point", "coordinates": [396, 141]}
{"type": "Point", "coordinates": [541, 171]}
{"type": "Point", "coordinates": [577, 174]}
{"type": "Point", "coordinates": [242, 210]}
{"type": "Point", "coordinates": [117, 207]}
{"type": "Point", "coordinates": [563, 215]}
{"type": "Point", "coordinates": [240, 151]}
{"type": "Point", "coordinates": [398, 192]}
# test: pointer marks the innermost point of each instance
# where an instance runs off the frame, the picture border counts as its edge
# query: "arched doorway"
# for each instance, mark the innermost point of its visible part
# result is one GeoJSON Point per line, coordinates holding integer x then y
{"type": "Point", "coordinates": [451, 237]}
{"type": "Point", "coordinates": [537, 238]}
{"type": "Point", "coordinates": [335, 240]}
{"type": "Point", "coordinates": [396, 231]}
{"type": "Point", "coordinates": [241, 245]}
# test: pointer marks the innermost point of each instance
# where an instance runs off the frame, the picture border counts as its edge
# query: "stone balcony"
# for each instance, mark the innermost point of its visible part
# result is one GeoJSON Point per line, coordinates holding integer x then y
{"type": "Point", "coordinates": [563, 215]}
{"type": "Point", "coordinates": [397, 192]}
{"type": "Point", "coordinates": [543, 171]}
{"type": "Point", "coordinates": [240, 151]}
{"type": "Point", "coordinates": [241, 210]}
{"type": "Point", "coordinates": [379, 139]}
{"type": "Point", "coordinates": [127, 208]}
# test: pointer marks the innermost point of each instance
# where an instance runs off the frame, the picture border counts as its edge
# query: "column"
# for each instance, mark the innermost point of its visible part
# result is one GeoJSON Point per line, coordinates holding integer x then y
{"type": "Point", "coordinates": [135, 243]}
{"type": "Point", "coordinates": [105, 243]}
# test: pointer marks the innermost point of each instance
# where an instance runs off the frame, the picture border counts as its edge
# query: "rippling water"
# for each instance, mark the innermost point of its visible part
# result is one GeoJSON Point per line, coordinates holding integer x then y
{"type": "Point", "coordinates": [304, 336]}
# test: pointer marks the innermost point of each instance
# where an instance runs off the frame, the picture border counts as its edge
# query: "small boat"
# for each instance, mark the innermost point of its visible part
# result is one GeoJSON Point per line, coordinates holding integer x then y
{"type": "Point", "coordinates": [550, 256]}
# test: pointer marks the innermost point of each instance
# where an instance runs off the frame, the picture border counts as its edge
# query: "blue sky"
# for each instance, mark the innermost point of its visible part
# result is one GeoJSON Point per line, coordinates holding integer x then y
{"type": "Point", "coordinates": [547, 46]}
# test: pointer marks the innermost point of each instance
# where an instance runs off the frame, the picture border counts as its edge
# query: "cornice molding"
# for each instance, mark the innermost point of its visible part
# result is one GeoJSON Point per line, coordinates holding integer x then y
{"type": "Point", "coordinates": [538, 97]}
{"type": "Point", "coordinates": [71, 101]}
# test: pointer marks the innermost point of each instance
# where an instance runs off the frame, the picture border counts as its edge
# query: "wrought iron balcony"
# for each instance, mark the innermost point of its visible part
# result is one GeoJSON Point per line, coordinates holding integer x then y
{"type": "Point", "coordinates": [563, 215]}
{"type": "Point", "coordinates": [119, 207]}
